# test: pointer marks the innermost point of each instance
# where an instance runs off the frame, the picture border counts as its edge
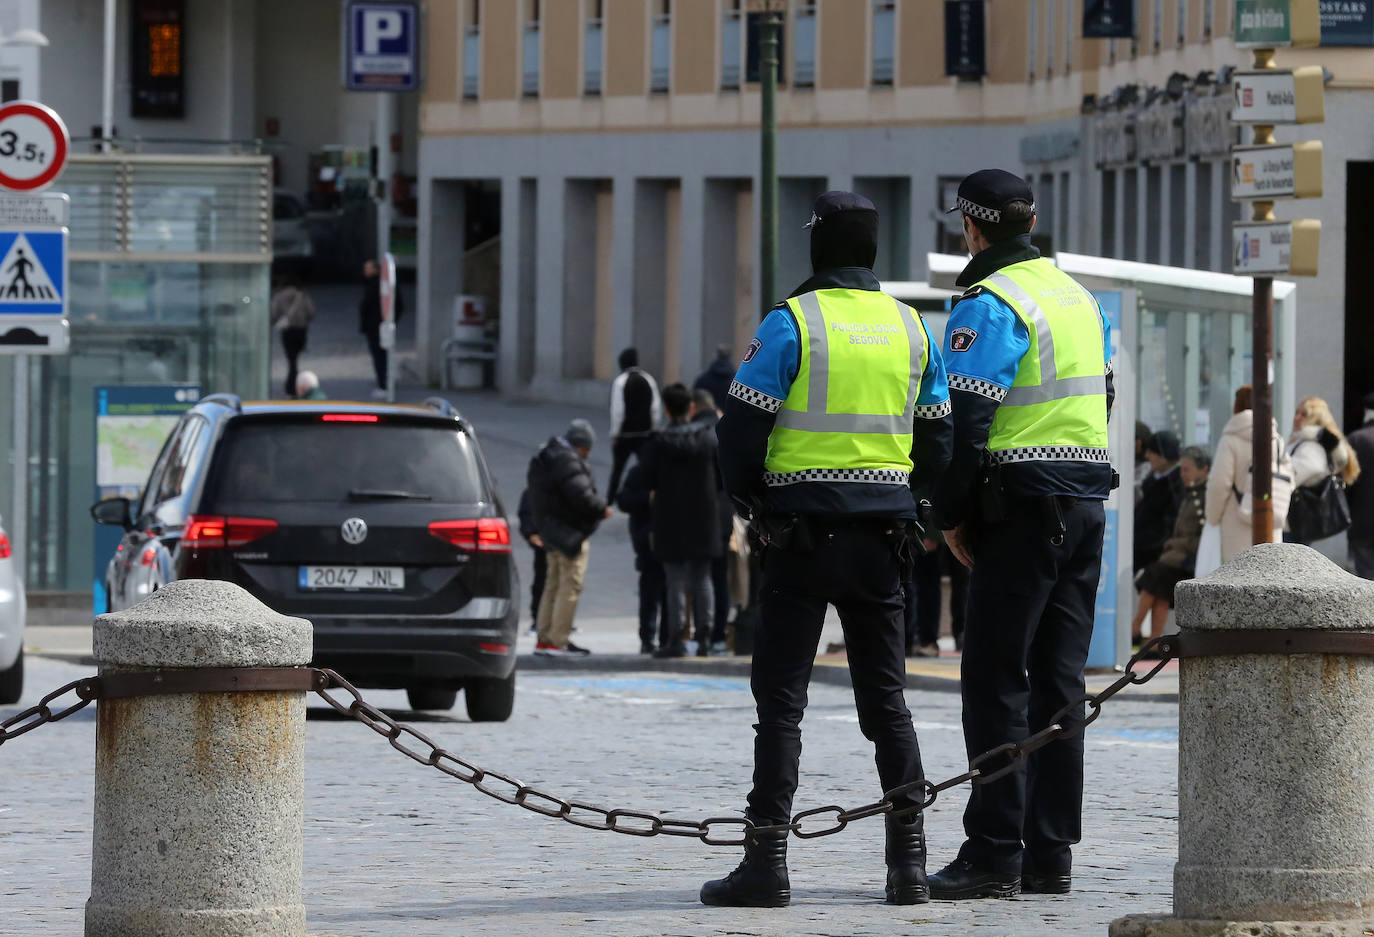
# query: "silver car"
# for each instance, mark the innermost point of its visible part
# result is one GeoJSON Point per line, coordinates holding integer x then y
{"type": "Point", "coordinates": [12, 610]}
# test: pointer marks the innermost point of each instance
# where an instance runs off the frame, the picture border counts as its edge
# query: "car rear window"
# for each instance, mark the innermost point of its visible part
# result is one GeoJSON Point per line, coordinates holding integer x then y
{"type": "Point", "coordinates": [299, 460]}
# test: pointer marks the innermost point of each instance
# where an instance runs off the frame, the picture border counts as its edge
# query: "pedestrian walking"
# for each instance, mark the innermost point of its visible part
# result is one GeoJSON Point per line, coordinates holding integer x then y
{"type": "Point", "coordinates": [706, 411]}
{"type": "Point", "coordinates": [1360, 536]}
{"type": "Point", "coordinates": [839, 408]}
{"type": "Point", "coordinates": [530, 532]}
{"type": "Point", "coordinates": [1179, 554]}
{"type": "Point", "coordinates": [308, 387]}
{"type": "Point", "coordinates": [1028, 353]}
{"type": "Point", "coordinates": [715, 380]}
{"type": "Point", "coordinates": [636, 411]}
{"type": "Point", "coordinates": [1228, 484]}
{"type": "Point", "coordinates": [680, 470]}
{"type": "Point", "coordinates": [370, 322]}
{"type": "Point", "coordinates": [635, 501]}
{"type": "Point", "coordinates": [292, 312]}
{"type": "Point", "coordinates": [566, 510]}
{"type": "Point", "coordinates": [1324, 466]}
{"type": "Point", "coordinates": [1160, 494]}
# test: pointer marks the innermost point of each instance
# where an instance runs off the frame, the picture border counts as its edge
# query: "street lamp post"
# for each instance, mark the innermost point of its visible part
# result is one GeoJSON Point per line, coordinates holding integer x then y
{"type": "Point", "coordinates": [768, 164]}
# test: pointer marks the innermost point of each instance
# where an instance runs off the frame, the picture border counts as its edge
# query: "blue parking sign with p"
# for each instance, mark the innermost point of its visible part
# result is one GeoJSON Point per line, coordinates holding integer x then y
{"type": "Point", "coordinates": [33, 272]}
{"type": "Point", "coordinates": [383, 43]}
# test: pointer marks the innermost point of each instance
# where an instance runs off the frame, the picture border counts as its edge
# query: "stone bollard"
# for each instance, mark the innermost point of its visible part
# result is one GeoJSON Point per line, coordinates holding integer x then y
{"type": "Point", "coordinates": [1275, 755]}
{"type": "Point", "coordinates": [199, 797]}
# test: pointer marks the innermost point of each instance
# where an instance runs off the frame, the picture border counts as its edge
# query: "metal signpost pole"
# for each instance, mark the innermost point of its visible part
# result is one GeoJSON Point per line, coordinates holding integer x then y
{"type": "Point", "coordinates": [19, 522]}
{"type": "Point", "coordinates": [1262, 442]}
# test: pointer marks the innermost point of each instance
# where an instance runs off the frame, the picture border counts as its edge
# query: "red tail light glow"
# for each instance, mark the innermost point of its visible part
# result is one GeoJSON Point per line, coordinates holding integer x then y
{"type": "Point", "coordinates": [349, 418]}
{"type": "Point", "coordinates": [487, 648]}
{"type": "Point", "coordinates": [208, 532]}
{"type": "Point", "coordinates": [5, 549]}
{"type": "Point", "coordinates": [149, 557]}
{"type": "Point", "coordinates": [481, 535]}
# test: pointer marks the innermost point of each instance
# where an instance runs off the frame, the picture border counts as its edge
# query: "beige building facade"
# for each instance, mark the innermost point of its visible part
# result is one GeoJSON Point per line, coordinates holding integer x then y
{"type": "Point", "coordinates": [620, 140]}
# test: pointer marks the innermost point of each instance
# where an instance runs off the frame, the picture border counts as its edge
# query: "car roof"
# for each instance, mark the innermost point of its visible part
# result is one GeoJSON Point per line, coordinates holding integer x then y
{"type": "Point", "coordinates": [436, 409]}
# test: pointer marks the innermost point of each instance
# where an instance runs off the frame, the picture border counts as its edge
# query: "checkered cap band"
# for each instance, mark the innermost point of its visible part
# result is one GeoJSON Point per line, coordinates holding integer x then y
{"type": "Point", "coordinates": [1052, 454]}
{"type": "Point", "coordinates": [977, 211]}
{"type": "Point", "coordinates": [863, 476]}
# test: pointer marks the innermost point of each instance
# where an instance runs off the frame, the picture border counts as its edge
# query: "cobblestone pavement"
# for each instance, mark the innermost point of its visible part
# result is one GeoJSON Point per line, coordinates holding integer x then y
{"type": "Point", "coordinates": [393, 848]}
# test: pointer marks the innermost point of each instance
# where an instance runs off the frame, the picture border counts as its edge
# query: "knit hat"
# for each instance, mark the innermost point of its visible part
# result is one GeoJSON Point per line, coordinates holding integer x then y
{"type": "Point", "coordinates": [580, 434]}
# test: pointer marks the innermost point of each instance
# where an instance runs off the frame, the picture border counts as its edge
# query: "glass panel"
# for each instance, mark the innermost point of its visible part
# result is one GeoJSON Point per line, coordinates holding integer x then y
{"type": "Point", "coordinates": [472, 60]}
{"type": "Point", "coordinates": [530, 54]}
{"type": "Point", "coordinates": [591, 78]}
{"type": "Point", "coordinates": [804, 67]}
{"type": "Point", "coordinates": [729, 49]}
{"type": "Point", "coordinates": [883, 42]}
{"type": "Point", "coordinates": [95, 216]}
{"type": "Point", "coordinates": [198, 209]}
{"type": "Point", "coordinates": [660, 67]}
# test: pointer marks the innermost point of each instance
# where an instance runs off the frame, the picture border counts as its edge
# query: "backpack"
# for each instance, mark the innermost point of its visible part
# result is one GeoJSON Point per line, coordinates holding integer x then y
{"type": "Point", "coordinates": [1280, 487]}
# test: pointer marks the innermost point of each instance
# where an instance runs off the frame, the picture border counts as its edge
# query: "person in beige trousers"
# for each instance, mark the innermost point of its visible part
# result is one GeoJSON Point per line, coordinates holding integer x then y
{"type": "Point", "coordinates": [1230, 477]}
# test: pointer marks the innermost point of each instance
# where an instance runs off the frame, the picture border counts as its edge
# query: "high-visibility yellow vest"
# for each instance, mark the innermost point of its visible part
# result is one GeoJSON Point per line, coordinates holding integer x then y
{"type": "Point", "coordinates": [1056, 408]}
{"type": "Point", "coordinates": [848, 415]}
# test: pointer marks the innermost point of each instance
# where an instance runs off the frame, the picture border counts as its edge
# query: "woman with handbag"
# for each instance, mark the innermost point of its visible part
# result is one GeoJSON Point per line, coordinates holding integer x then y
{"type": "Point", "coordinates": [1323, 465]}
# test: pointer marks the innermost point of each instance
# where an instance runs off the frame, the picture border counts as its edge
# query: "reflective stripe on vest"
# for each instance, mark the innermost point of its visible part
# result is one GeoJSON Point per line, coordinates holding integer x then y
{"type": "Point", "coordinates": [849, 415]}
{"type": "Point", "coordinates": [1056, 408]}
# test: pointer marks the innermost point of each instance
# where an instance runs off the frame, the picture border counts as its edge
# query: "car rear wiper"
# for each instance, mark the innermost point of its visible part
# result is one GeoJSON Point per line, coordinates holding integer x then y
{"type": "Point", "coordinates": [378, 494]}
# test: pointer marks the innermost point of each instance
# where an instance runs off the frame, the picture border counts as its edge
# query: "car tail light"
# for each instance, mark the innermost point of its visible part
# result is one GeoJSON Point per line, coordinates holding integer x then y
{"type": "Point", "coordinates": [209, 532]}
{"type": "Point", "coordinates": [5, 548]}
{"type": "Point", "coordinates": [488, 648]}
{"type": "Point", "coordinates": [482, 535]}
{"type": "Point", "coordinates": [349, 418]}
{"type": "Point", "coordinates": [149, 557]}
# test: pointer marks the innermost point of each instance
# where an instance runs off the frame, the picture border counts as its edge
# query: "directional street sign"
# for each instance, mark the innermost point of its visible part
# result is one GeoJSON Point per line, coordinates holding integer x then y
{"type": "Point", "coordinates": [33, 291]}
{"type": "Point", "coordinates": [1278, 96]}
{"type": "Point", "coordinates": [1276, 247]}
{"type": "Point", "coordinates": [1289, 170]}
{"type": "Point", "coordinates": [1270, 23]}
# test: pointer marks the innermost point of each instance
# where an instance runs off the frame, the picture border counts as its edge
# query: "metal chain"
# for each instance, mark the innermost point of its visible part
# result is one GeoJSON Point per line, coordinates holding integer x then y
{"type": "Point", "coordinates": [42, 714]}
{"type": "Point", "coordinates": [983, 769]}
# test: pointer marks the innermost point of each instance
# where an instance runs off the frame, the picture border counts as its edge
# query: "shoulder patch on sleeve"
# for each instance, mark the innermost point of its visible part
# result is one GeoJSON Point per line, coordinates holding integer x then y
{"type": "Point", "coordinates": [962, 338]}
{"type": "Point", "coordinates": [754, 347]}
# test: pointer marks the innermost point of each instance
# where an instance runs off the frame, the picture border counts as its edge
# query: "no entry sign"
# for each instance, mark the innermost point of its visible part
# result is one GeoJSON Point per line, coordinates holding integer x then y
{"type": "Point", "coordinates": [33, 146]}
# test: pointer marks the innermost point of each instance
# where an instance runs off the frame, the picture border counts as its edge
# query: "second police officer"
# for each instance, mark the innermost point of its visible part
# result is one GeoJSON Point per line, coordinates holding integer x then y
{"type": "Point", "coordinates": [839, 408]}
{"type": "Point", "coordinates": [1028, 353]}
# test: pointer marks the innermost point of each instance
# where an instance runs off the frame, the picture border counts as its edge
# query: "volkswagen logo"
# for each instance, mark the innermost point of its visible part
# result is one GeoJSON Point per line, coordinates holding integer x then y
{"type": "Point", "coordinates": [354, 530]}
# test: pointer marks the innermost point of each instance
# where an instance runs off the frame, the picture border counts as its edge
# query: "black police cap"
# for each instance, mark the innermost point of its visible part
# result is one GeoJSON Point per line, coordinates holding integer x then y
{"type": "Point", "coordinates": [986, 194]}
{"type": "Point", "coordinates": [832, 203]}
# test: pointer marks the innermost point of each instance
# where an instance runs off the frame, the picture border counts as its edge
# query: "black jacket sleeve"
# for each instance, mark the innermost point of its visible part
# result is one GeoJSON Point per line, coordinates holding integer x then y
{"type": "Point", "coordinates": [743, 433]}
{"type": "Point", "coordinates": [932, 442]}
{"type": "Point", "coordinates": [579, 491]}
{"type": "Point", "coordinates": [972, 420]}
{"type": "Point", "coordinates": [526, 516]}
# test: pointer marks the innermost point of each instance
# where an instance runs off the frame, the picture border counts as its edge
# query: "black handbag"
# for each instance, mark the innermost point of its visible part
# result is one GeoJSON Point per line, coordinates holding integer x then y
{"type": "Point", "coordinates": [1319, 510]}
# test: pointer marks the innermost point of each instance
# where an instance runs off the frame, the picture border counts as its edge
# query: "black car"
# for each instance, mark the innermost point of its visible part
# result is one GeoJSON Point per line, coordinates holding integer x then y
{"type": "Point", "coordinates": [379, 523]}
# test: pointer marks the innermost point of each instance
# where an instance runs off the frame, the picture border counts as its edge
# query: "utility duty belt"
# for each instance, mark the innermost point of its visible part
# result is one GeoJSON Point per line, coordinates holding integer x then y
{"type": "Point", "coordinates": [802, 533]}
{"type": "Point", "coordinates": [994, 503]}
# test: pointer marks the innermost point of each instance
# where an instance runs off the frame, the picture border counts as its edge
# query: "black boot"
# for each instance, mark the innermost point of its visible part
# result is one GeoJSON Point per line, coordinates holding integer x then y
{"type": "Point", "coordinates": [760, 881]}
{"type": "Point", "coordinates": [906, 861]}
{"type": "Point", "coordinates": [965, 879]}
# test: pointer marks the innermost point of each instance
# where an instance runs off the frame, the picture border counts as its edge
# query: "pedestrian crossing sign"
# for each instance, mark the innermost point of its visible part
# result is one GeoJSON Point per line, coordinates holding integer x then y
{"type": "Point", "coordinates": [33, 273]}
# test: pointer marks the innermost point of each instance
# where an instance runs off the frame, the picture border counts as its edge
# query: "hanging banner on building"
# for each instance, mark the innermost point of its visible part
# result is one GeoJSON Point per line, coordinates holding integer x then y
{"type": "Point", "coordinates": [1108, 19]}
{"type": "Point", "coordinates": [1347, 22]}
{"type": "Point", "coordinates": [965, 39]}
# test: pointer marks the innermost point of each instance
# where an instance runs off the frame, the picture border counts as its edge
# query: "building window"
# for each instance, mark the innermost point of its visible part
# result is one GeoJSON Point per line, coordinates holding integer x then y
{"type": "Point", "coordinates": [730, 36]}
{"type": "Point", "coordinates": [1158, 33]}
{"type": "Point", "coordinates": [1068, 36]}
{"type": "Point", "coordinates": [591, 51]}
{"type": "Point", "coordinates": [661, 47]}
{"type": "Point", "coordinates": [804, 62]}
{"type": "Point", "coordinates": [1208, 18]}
{"type": "Point", "coordinates": [1033, 38]}
{"type": "Point", "coordinates": [1182, 22]}
{"type": "Point", "coordinates": [472, 50]}
{"type": "Point", "coordinates": [1049, 38]}
{"type": "Point", "coordinates": [884, 41]}
{"type": "Point", "coordinates": [529, 50]}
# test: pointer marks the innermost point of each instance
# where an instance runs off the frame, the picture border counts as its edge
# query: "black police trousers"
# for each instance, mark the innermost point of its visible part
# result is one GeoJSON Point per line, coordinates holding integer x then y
{"type": "Point", "coordinates": [853, 566]}
{"type": "Point", "coordinates": [1030, 619]}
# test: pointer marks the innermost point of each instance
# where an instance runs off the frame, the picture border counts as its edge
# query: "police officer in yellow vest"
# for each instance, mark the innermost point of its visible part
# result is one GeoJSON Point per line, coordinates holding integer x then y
{"type": "Point", "coordinates": [839, 409]}
{"type": "Point", "coordinates": [1028, 353]}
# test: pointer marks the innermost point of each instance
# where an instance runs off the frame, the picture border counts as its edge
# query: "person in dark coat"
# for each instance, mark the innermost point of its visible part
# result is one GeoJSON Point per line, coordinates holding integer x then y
{"type": "Point", "coordinates": [541, 562]}
{"type": "Point", "coordinates": [1360, 536]}
{"type": "Point", "coordinates": [633, 498]}
{"type": "Point", "coordinates": [707, 412]}
{"type": "Point", "coordinates": [636, 411]}
{"type": "Point", "coordinates": [567, 509]}
{"type": "Point", "coordinates": [718, 375]}
{"type": "Point", "coordinates": [1160, 495]}
{"type": "Point", "coordinates": [370, 321]}
{"type": "Point", "coordinates": [680, 464]}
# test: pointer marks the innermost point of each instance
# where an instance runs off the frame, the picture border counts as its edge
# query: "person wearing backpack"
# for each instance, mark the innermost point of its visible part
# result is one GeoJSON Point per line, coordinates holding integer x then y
{"type": "Point", "coordinates": [1228, 486]}
{"type": "Point", "coordinates": [1319, 452]}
